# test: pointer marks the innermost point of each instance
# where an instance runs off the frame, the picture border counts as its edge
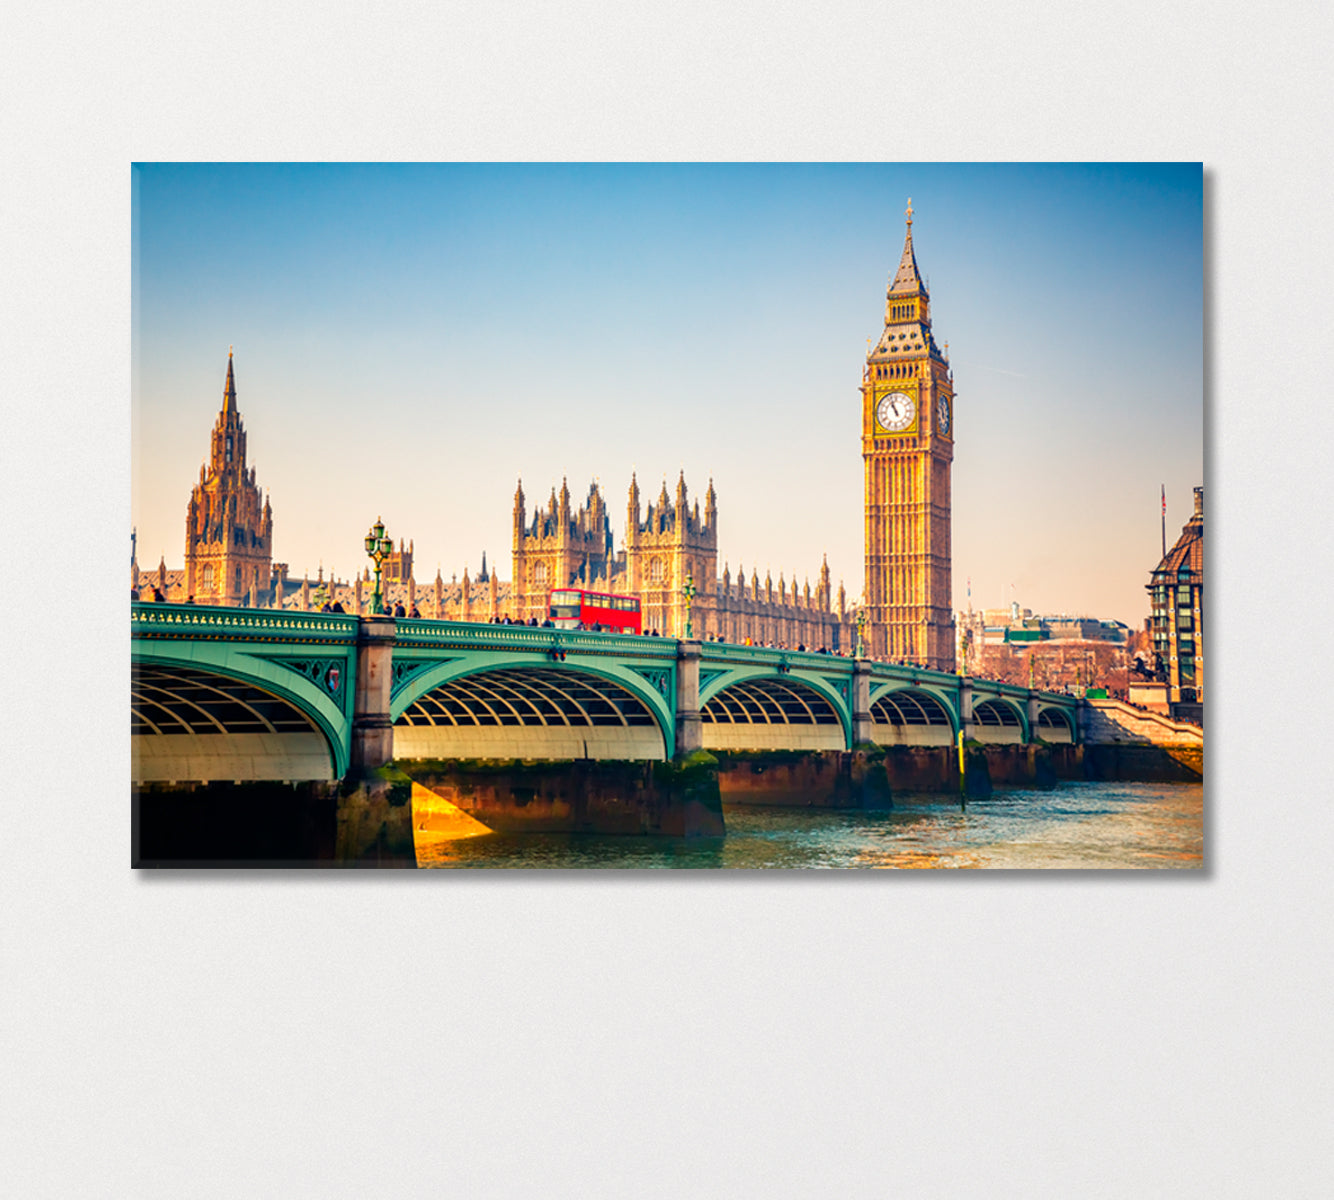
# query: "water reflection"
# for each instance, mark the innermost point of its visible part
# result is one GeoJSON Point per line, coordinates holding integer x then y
{"type": "Point", "coordinates": [1077, 825]}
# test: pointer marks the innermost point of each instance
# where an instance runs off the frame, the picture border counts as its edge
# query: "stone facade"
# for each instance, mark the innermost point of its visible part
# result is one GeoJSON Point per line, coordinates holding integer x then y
{"type": "Point", "coordinates": [397, 567]}
{"type": "Point", "coordinates": [559, 548]}
{"type": "Point", "coordinates": [1110, 721]}
{"type": "Point", "coordinates": [907, 451]}
{"type": "Point", "coordinates": [668, 543]}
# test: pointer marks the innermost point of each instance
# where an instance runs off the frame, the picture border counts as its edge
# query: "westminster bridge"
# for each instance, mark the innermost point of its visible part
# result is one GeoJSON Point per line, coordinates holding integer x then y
{"type": "Point", "coordinates": [236, 694]}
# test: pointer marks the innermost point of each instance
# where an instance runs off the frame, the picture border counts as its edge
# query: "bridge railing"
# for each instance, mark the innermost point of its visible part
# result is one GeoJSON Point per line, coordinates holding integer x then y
{"type": "Point", "coordinates": [510, 637]}
{"type": "Point", "coordinates": [901, 674]}
{"type": "Point", "coordinates": [153, 619]}
{"type": "Point", "coordinates": [949, 679]}
{"type": "Point", "coordinates": [806, 660]}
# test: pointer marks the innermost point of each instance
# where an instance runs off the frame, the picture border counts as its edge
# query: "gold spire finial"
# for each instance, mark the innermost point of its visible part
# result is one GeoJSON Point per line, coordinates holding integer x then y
{"type": "Point", "coordinates": [229, 351]}
{"type": "Point", "coordinates": [909, 212]}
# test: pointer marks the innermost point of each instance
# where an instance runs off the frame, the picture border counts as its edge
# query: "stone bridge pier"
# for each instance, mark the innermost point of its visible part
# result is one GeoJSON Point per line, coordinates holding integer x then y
{"type": "Point", "coordinates": [372, 727]}
{"type": "Point", "coordinates": [862, 733]}
{"type": "Point", "coordinates": [689, 730]}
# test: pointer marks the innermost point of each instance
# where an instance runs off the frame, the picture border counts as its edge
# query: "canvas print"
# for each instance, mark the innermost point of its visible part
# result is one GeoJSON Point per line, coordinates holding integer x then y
{"type": "Point", "coordinates": [649, 515]}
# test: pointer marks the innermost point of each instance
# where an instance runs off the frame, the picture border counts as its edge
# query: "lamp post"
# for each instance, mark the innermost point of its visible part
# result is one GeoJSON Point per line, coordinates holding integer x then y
{"type": "Point", "coordinates": [378, 547]}
{"type": "Point", "coordinates": [688, 591]}
{"type": "Point", "coordinates": [861, 633]}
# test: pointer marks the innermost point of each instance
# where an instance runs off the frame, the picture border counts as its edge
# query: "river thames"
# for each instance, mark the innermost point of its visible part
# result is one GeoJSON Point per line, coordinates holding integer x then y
{"type": "Point", "coordinates": [1075, 826]}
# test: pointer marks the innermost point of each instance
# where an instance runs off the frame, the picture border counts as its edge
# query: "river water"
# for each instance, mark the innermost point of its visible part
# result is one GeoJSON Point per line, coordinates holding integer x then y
{"type": "Point", "coordinates": [1074, 826]}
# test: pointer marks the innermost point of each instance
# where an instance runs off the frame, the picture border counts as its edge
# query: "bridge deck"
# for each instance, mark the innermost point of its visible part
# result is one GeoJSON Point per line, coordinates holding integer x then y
{"type": "Point", "coordinates": [467, 689]}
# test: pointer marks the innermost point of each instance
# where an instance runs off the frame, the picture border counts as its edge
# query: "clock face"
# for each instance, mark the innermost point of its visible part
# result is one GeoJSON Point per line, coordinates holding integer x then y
{"type": "Point", "coordinates": [895, 412]}
{"type": "Point", "coordinates": [943, 414]}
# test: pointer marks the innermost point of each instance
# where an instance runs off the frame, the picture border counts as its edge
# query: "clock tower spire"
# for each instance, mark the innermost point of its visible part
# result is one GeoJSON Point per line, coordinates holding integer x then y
{"type": "Point", "coordinates": [907, 450]}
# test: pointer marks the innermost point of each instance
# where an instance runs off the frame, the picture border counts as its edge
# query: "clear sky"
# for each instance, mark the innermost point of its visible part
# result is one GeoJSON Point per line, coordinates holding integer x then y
{"type": "Point", "coordinates": [409, 340]}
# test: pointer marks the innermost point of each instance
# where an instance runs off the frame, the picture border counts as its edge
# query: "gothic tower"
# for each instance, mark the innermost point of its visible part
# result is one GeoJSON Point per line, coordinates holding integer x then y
{"type": "Point", "coordinates": [560, 548]}
{"type": "Point", "coordinates": [673, 542]}
{"type": "Point", "coordinates": [228, 531]}
{"type": "Point", "coordinates": [907, 449]}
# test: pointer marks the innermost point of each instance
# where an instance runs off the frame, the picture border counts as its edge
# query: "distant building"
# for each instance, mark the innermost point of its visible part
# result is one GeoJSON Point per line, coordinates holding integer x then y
{"type": "Point", "coordinates": [1176, 593]}
{"type": "Point", "coordinates": [1056, 652]}
{"type": "Point", "coordinates": [397, 568]}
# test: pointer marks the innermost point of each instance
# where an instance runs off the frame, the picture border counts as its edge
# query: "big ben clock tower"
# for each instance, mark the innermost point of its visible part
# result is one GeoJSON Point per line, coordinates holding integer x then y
{"type": "Point", "coordinates": [907, 448]}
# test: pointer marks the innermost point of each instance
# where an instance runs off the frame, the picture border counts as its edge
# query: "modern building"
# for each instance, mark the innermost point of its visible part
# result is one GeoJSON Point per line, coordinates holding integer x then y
{"type": "Point", "coordinates": [908, 433]}
{"type": "Point", "coordinates": [1176, 594]}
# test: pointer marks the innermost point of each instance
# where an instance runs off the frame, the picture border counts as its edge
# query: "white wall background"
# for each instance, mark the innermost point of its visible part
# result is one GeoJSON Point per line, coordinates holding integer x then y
{"type": "Point", "coordinates": [242, 1034]}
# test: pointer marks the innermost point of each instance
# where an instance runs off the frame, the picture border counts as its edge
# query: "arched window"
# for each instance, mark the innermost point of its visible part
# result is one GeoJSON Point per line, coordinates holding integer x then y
{"type": "Point", "coordinates": [540, 575]}
{"type": "Point", "coordinates": [655, 571]}
{"type": "Point", "coordinates": [206, 578]}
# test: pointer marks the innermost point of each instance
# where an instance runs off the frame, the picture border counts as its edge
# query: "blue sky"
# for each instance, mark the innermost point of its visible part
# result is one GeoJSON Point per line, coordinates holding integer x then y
{"type": "Point", "coordinates": [411, 339]}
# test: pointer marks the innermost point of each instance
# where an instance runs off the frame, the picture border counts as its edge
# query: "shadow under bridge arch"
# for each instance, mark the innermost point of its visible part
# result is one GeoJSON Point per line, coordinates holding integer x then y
{"type": "Point", "coordinates": [530, 711]}
{"type": "Point", "coordinates": [911, 717]}
{"type": "Point", "coordinates": [1055, 725]}
{"type": "Point", "coordinates": [194, 723]}
{"type": "Point", "coordinates": [773, 712]}
{"type": "Point", "coordinates": [999, 721]}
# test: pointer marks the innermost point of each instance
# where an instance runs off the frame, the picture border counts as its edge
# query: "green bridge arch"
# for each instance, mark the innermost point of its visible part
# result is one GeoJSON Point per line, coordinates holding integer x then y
{"type": "Point", "coordinates": [1009, 702]}
{"type": "Point", "coordinates": [653, 684]}
{"type": "Point", "coordinates": [836, 696]}
{"type": "Point", "coordinates": [260, 667]}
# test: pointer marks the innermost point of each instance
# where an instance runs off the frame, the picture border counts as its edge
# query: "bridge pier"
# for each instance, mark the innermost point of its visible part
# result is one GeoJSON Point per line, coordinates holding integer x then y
{"type": "Point", "coordinates": [861, 703]}
{"type": "Point", "coordinates": [372, 728]}
{"type": "Point", "coordinates": [966, 707]}
{"type": "Point", "coordinates": [689, 731]}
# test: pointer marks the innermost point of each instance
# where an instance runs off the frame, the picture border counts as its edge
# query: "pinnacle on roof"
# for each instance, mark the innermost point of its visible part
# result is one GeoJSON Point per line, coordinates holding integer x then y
{"type": "Point", "coordinates": [229, 392]}
{"type": "Point", "coordinates": [907, 278]}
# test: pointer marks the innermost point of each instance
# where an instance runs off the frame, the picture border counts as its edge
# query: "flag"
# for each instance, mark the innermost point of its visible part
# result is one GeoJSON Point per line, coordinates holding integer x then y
{"type": "Point", "coordinates": [1164, 499]}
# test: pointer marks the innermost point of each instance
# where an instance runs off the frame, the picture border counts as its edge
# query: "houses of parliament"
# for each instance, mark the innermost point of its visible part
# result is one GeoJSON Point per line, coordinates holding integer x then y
{"type": "Point", "coordinates": [908, 429]}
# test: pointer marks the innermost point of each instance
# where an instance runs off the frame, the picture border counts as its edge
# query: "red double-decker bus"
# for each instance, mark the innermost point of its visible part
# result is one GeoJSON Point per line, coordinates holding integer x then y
{"type": "Point", "coordinates": [571, 608]}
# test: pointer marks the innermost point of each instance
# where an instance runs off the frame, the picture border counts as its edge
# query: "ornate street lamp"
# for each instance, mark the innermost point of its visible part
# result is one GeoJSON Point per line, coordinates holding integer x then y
{"type": "Point", "coordinates": [861, 633]}
{"type": "Point", "coordinates": [688, 591]}
{"type": "Point", "coordinates": [378, 547]}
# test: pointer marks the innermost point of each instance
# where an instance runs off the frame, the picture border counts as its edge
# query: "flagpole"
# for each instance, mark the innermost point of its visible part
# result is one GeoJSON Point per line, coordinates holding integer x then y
{"type": "Point", "coordinates": [1164, 486]}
